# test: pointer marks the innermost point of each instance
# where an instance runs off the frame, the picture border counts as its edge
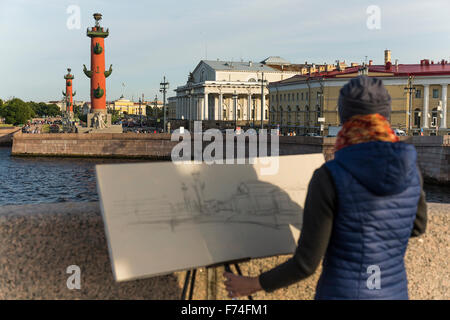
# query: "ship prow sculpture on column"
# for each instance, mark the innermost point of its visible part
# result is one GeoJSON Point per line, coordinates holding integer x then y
{"type": "Point", "coordinates": [68, 95]}
{"type": "Point", "coordinates": [98, 120]}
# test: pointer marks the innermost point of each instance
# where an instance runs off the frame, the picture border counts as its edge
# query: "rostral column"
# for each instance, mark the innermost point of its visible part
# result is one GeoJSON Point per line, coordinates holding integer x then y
{"type": "Point", "coordinates": [98, 74]}
{"type": "Point", "coordinates": [68, 94]}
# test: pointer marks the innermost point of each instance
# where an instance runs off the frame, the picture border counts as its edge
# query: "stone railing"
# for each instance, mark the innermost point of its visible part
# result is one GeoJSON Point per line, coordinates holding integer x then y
{"type": "Point", "coordinates": [6, 135]}
{"type": "Point", "coordinates": [39, 243]}
{"type": "Point", "coordinates": [433, 151]}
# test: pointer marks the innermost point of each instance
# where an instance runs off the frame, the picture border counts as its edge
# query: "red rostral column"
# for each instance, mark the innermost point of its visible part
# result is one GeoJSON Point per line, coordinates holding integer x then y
{"type": "Point", "coordinates": [98, 74]}
{"type": "Point", "coordinates": [68, 94]}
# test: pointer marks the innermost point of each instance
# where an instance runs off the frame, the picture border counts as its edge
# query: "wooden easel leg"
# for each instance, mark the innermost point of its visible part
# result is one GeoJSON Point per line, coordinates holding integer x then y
{"type": "Point", "coordinates": [191, 289]}
{"type": "Point", "coordinates": [211, 287]}
{"type": "Point", "coordinates": [185, 286]}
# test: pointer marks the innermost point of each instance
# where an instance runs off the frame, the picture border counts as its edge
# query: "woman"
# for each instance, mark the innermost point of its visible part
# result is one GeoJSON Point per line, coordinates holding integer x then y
{"type": "Point", "coordinates": [360, 210]}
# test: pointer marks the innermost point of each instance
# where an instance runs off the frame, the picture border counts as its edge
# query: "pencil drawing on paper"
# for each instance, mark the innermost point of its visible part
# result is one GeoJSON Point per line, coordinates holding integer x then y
{"type": "Point", "coordinates": [252, 202]}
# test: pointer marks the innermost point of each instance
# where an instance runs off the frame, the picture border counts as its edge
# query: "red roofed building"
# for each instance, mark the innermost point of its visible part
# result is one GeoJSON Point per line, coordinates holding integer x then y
{"type": "Point", "coordinates": [308, 103]}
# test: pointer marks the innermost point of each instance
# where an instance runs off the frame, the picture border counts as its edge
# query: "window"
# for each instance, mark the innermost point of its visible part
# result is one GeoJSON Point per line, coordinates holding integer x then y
{"type": "Point", "coordinates": [434, 117]}
{"type": "Point", "coordinates": [418, 93]}
{"type": "Point", "coordinates": [302, 96]}
{"type": "Point", "coordinates": [239, 113]}
{"type": "Point", "coordinates": [224, 114]}
{"type": "Point", "coordinates": [417, 117]}
{"type": "Point", "coordinates": [289, 97]}
{"type": "Point", "coordinates": [266, 115]}
{"type": "Point", "coordinates": [307, 98]}
{"type": "Point", "coordinates": [435, 93]}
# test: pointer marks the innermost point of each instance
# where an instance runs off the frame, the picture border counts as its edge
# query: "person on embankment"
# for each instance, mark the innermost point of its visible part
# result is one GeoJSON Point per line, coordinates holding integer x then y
{"type": "Point", "coordinates": [360, 210]}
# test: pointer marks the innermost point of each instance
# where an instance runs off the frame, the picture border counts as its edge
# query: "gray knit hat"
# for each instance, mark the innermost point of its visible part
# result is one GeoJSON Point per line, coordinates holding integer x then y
{"type": "Point", "coordinates": [364, 95]}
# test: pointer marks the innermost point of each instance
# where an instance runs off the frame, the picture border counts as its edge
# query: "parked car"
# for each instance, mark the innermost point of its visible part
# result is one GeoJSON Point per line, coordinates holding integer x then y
{"type": "Point", "coordinates": [54, 128]}
{"type": "Point", "coordinates": [399, 132]}
{"type": "Point", "coordinates": [311, 134]}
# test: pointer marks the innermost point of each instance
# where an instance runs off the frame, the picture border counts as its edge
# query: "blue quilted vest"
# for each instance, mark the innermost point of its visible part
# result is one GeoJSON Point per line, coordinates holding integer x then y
{"type": "Point", "coordinates": [378, 190]}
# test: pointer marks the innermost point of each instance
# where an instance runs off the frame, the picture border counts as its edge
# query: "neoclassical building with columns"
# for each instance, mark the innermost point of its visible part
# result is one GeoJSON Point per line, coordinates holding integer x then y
{"type": "Point", "coordinates": [229, 91]}
{"type": "Point", "coordinates": [308, 103]}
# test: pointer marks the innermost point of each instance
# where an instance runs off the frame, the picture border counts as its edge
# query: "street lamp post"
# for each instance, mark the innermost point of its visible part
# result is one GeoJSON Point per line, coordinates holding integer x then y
{"type": "Point", "coordinates": [190, 92]}
{"type": "Point", "coordinates": [263, 99]}
{"type": "Point", "coordinates": [140, 112]}
{"type": "Point", "coordinates": [410, 89]}
{"type": "Point", "coordinates": [155, 105]}
{"type": "Point", "coordinates": [163, 88]}
{"type": "Point", "coordinates": [321, 106]}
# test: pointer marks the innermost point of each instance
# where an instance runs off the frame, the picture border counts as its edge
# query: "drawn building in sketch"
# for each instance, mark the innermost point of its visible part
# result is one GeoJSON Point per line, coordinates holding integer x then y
{"type": "Point", "coordinates": [253, 202]}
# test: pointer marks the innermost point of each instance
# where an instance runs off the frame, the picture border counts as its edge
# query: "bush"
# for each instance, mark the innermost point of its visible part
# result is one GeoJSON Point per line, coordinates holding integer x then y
{"type": "Point", "coordinates": [16, 112]}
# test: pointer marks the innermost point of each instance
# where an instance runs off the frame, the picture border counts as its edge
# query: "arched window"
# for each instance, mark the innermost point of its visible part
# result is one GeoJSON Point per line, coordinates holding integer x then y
{"type": "Point", "coordinates": [251, 80]}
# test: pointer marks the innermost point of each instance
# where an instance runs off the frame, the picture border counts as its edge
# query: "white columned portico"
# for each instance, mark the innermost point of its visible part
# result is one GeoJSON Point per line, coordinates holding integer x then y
{"type": "Point", "coordinates": [216, 108]}
{"type": "Point", "coordinates": [191, 107]}
{"type": "Point", "coordinates": [444, 106]}
{"type": "Point", "coordinates": [426, 105]}
{"type": "Point", "coordinates": [220, 107]}
{"type": "Point", "coordinates": [179, 107]}
{"type": "Point", "coordinates": [205, 107]}
{"type": "Point", "coordinates": [249, 106]}
{"type": "Point", "coordinates": [198, 108]}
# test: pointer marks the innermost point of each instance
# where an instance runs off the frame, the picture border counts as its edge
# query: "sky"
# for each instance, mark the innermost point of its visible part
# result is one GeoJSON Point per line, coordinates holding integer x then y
{"type": "Point", "coordinates": [151, 39]}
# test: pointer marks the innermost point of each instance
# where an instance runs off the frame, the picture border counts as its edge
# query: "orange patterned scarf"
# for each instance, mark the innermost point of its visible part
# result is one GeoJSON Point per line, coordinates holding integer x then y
{"type": "Point", "coordinates": [365, 128]}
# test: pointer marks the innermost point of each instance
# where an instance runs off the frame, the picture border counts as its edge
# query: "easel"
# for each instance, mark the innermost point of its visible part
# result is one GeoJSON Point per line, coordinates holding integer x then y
{"type": "Point", "coordinates": [189, 280]}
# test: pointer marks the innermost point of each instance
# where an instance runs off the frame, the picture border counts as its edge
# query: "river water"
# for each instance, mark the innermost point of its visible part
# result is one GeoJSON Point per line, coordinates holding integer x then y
{"type": "Point", "coordinates": [39, 180]}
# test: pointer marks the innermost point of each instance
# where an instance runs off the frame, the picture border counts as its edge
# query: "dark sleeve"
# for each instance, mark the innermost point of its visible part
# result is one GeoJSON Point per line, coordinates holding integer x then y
{"type": "Point", "coordinates": [420, 224]}
{"type": "Point", "coordinates": [318, 215]}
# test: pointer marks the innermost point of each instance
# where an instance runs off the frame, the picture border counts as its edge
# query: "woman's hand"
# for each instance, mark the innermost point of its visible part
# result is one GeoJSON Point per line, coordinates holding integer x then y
{"type": "Point", "coordinates": [239, 286]}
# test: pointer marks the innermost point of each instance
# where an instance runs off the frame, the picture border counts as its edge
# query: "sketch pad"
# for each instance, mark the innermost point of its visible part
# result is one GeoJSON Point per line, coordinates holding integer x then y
{"type": "Point", "coordinates": [160, 217]}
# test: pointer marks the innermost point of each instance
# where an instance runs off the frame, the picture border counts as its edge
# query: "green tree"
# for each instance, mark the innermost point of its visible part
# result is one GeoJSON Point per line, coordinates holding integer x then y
{"type": "Point", "coordinates": [154, 112]}
{"type": "Point", "coordinates": [42, 109]}
{"type": "Point", "coordinates": [78, 113]}
{"type": "Point", "coordinates": [115, 115]}
{"type": "Point", "coordinates": [17, 112]}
